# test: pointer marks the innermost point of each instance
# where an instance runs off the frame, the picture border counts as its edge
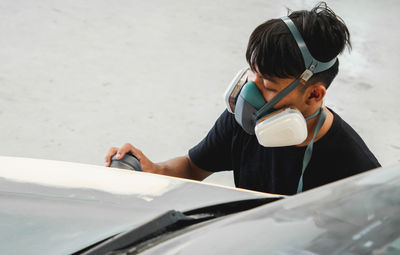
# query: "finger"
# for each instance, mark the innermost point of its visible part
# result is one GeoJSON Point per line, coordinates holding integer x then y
{"type": "Point", "coordinates": [135, 151]}
{"type": "Point", "coordinates": [138, 154]}
{"type": "Point", "coordinates": [109, 155]}
{"type": "Point", "coordinates": [123, 150]}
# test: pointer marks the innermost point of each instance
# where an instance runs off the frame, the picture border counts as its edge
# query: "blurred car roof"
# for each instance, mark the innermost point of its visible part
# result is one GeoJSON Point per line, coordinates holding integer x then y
{"type": "Point", "coordinates": [357, 215]}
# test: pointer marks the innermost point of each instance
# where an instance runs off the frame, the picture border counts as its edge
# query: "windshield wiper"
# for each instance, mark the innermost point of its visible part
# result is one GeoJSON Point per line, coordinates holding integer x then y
{"type": "Point", "coordinates": [169, 222]}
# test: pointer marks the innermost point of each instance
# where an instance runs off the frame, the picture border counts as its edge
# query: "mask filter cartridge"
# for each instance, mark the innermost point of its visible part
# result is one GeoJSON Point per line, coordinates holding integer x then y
{"type": "Point", "coordinates": [282, 128]}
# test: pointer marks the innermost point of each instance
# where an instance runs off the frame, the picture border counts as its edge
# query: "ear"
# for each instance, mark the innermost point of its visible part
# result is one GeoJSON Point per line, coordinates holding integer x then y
{"type": "Point", "coordinates": [315, 93]}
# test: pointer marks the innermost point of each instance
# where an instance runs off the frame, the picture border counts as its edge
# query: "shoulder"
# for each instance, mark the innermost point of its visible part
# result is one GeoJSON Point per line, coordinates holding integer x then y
{"type": "Point", "coordinates": [346, 134]}
{"type": "Point", "coordinates": [346, 146]}
{"type": "Point", "coordinates": [341, 129]}
{"type": "Point", "coordinates": [227, 118]}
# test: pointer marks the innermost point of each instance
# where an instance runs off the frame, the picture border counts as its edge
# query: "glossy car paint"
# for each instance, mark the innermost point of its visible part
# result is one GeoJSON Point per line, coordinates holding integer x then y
{"type": "Point", "coordinates": [359, 215]}
{"type": "Point", "coordinates": [52, 207]}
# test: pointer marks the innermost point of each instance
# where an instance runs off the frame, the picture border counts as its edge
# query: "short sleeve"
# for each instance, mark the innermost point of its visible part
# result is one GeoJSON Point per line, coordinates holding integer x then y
{"type": "Point", "coordinates": [214, 152]}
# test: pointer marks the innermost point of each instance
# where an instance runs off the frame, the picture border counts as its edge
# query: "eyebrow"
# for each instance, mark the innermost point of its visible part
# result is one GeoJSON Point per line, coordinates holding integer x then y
{"type": "Point", "coordinates": [267, 77]}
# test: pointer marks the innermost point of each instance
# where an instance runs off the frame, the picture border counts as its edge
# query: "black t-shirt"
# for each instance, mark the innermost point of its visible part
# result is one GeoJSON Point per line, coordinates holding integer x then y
{"type": "Point", "coordinates": [338, 154]}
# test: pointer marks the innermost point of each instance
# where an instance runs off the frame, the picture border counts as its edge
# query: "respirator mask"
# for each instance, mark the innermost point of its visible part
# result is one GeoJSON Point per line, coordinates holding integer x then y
{"type": "Point", "coordinates": [276, 127]}
{"type": "Point", "coordinates": [273, 127]}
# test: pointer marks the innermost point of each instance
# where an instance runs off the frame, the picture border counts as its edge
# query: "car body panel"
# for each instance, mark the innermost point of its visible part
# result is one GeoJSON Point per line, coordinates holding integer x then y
{"type": "Point", "coordinates": [53, 207]}
{"type": "Point", "coordinates": [358, 215]}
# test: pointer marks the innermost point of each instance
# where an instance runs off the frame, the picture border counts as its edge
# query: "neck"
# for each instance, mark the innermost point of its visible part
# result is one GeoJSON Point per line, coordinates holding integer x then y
{"type": "Point", "coordinates": [312, 123]}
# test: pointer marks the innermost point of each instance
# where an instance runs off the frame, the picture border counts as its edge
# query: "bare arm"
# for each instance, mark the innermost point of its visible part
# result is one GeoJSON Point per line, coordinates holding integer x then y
{"type": "Point", "coordinates": [178, 167]}
{"type": "Point", "coordinates": [182, 167]}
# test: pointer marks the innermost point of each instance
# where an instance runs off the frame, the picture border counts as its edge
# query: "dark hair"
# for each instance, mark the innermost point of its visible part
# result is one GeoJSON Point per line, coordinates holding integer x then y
{"type": "Point", "coordinates": [273, 51]}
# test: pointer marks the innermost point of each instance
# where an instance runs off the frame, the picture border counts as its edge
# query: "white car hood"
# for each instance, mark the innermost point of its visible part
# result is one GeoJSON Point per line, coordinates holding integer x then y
{"type": "Point", "coordinates": [52, 207]}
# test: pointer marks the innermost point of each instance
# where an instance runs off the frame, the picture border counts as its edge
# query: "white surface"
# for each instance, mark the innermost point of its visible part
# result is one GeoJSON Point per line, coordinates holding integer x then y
{"type": "Point", "coordinates": [72, 175]}
{"type": "Point", "coordinates": [76, 175]}
{"type": "Point", "coordinates": [77, 77]}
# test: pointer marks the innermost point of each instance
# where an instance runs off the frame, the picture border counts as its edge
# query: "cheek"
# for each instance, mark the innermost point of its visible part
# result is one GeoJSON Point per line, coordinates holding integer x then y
{"type": "Point", "coordinates": [282, 104]}
{"type": "Point", "coordinates": [267, 95]}
{"type": "Point", "coordinates": [298, 103]}
{"type": "Point", "coordinates": [291, 100]}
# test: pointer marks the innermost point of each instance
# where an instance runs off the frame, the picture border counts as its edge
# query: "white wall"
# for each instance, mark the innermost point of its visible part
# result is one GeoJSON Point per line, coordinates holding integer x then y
{"type": "Point", "coordinates": [77, 77]}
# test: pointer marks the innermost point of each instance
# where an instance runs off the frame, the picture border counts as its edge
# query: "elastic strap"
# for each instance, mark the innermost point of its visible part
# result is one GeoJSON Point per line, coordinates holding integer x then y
{"type": "Point", "coordinates": [310, 62]}
{"type": "Point", "coordinates": [276, 99]}
{"type": "Point", "coordinates": [315, 114]}
{"type": "Point", "coordinates": [308, 153]}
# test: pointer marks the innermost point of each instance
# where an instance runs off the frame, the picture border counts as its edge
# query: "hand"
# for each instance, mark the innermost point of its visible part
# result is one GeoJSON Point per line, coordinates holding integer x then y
{"type": "Point", "coordinates": [145, 163]}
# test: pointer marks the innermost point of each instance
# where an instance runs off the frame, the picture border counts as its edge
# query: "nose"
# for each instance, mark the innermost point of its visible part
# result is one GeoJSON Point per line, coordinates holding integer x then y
{"type": "Point", "coordinates": [260, 83]}
{"type": "Point", "coordinates": [259, 80]}
{"type": "Point", "coordinates": [256, 78]}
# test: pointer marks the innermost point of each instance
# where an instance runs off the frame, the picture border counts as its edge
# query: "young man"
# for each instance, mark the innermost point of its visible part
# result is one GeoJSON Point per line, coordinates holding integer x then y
{"type": "Point", "coordinates": [278, 136]}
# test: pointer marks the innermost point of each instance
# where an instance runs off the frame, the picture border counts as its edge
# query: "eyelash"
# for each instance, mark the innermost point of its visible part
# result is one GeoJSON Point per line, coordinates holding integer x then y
{"type": "Point", "coordinates": [271, 90]}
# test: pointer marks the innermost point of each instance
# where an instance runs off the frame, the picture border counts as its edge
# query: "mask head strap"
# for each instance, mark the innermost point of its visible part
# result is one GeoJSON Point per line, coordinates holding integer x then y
{"type": "Point", "coordinates": [312, 66]}
{"type": "Point", "coordinates": [310, 62]}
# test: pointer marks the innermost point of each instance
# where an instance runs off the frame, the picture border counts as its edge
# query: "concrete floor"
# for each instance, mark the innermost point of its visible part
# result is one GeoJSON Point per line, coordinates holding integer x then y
{"type": "Point", "coordinates": [77, 77]}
